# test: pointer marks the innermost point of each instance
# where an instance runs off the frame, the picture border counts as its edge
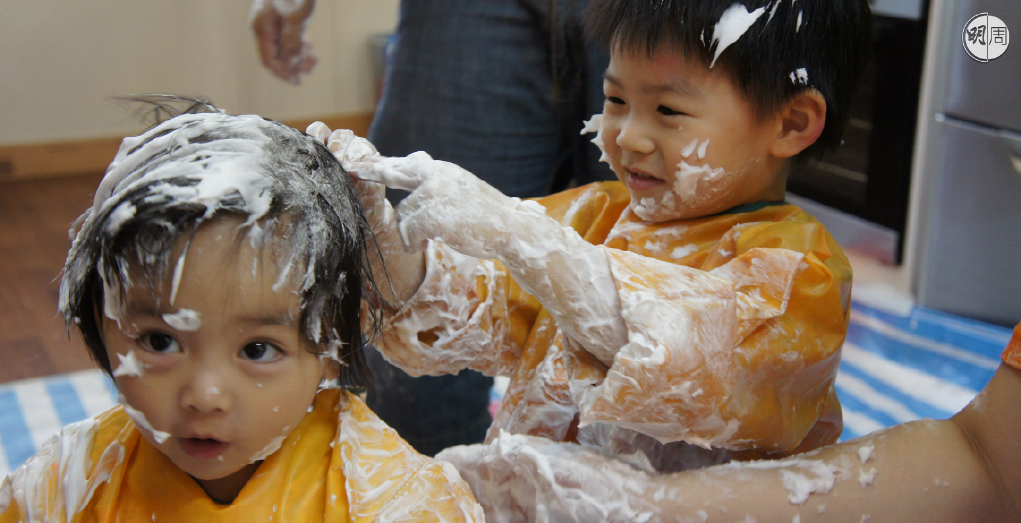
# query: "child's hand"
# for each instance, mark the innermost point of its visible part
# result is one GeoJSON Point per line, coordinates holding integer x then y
{"type": "Point", "coordinates": [542, 480]}
{"type": "Point", "coordinates": [451, 204]}
{"type": "Point", "coordinates": [280, 34]}
{"type": "Point", "coordinates": [397, 273]}
{"type": "Point", "coordinates": [568, 275]}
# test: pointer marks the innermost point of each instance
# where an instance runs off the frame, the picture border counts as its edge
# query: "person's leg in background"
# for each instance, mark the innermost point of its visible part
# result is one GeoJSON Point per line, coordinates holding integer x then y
{"type": "Point", "coordinates": [472, 82]}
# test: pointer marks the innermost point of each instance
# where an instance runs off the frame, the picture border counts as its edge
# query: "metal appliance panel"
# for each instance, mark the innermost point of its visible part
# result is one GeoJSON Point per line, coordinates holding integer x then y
{"type": "Point", "coordinates": [971, 262]}
{"type": "Point", "coordinates": [987, 92]}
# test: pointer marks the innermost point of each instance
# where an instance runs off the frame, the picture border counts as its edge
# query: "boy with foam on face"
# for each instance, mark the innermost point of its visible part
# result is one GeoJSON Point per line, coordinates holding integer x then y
{"type": "Point", "coordinates": [682, 316]}
{"type": "Point", "coordinates": [218, 279]}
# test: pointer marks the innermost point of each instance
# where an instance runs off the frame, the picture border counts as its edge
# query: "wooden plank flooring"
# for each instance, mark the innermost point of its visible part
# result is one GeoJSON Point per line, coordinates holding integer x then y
{"type": "Point", "coordinates": [34, 220]}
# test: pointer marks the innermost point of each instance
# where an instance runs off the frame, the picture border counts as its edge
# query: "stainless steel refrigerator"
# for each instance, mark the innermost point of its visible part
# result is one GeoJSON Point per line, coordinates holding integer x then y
{"type": "Point", "coordinates": [969, 253]}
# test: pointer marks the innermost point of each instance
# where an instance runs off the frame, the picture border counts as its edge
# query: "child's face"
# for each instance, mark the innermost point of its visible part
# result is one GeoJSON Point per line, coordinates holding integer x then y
{"type": "Point", "coordinates": [230, 385]}
{"type": "Point", "coordinates": [684, 139]}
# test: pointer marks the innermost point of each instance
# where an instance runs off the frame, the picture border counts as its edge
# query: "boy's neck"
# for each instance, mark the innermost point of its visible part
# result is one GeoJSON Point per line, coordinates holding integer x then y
{"type": "Point", "coordinates": [224, 490]}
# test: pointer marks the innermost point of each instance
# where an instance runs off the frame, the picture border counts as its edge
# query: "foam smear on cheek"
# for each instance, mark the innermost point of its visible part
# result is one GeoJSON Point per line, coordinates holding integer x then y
{"type": "Point", "coordinates": [185, 320]}
{"type": "Point", "coordinates": [595, 125]}
{"type": "Point", "coordinates": [732, 26]}
{"type": "Point", "coordinates": [271, 447]}
{"type": "Point", "coordinates": [129, 366]}
{"type": "Point", "coordinates": [689, 176]}
{"type": "Point", "coordinates": [143, 424]}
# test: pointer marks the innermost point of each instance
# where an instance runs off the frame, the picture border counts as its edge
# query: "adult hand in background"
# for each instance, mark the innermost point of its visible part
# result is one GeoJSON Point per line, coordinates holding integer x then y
{"type": "Point", "coordinates": [279, 27]}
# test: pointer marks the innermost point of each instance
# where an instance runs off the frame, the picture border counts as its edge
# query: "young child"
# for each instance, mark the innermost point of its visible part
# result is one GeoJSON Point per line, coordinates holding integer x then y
{"type": "Point", "coordinates": [218, 279]}
{"type": "Point", "coordinates": [686, 315]}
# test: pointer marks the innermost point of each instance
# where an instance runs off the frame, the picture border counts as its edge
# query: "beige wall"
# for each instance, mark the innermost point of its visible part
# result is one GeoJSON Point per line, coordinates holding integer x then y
{"type": "Point", "coordinates": [61, 62]}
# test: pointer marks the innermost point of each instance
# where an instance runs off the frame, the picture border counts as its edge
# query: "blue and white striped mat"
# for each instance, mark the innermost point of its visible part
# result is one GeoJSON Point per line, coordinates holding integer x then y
{"type": "Point", "coordinates": [895, 368]}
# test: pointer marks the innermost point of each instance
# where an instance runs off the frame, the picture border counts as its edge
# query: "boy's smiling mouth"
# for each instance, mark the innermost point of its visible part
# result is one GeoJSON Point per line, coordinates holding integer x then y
{"type": "Point", "coordinates": [203, 448]}
{"type": "Point", "coordinates": [641, 181]}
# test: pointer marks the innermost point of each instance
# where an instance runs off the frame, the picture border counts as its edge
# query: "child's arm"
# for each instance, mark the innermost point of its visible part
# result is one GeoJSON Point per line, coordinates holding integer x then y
{"type": "Point", "coordinates": [664, 346]}
{"type": "Point", "coordinates": [964, 469]}
{"type": "Point", "coordinates": [569, 276]}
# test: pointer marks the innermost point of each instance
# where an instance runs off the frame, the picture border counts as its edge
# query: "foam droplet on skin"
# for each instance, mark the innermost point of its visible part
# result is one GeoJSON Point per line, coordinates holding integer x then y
{"type": "Point", "coordinates": [258, 385]}
{"type": "Point", "coordinates": [688, 177]}
{"type": "Point", "coordinates": [595, 125]}
{"type": "Point", "coordinates": [143, 424]}
{"type": "Point", "coordinates": [213, 391]}
{"type": "Point", "coordinates": [732, 25]}
{"type": "Point", "coordinates": [270, 448]}
{"type": "Point", "coordinates": [702, 149]}
{"type": "Point", "coordinates": [219, 458]}
{"type": "Point", "coordinates": [867, 478]}
{"type": "Point", "coordinates": [865, 452]}
{"type": "Point", "coordinates": [185, 320]}
{"type": "Point", "coordinates": [129, 365]}
{"type": "Point", "coordinates": [178, 270]}
{"type": "Point", "coordinates": [690, 148]}
{"type": "Point", "coordinates": [276, 409]}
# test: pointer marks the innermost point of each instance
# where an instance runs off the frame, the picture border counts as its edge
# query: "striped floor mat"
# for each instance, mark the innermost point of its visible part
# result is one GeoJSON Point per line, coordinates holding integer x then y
{"type": "Point", "coordinates": [896, 367]}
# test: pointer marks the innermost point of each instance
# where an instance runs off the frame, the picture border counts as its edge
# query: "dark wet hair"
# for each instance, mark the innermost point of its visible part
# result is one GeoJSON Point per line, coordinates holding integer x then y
{"type": "Point", "coordinates": [297, 193]}
{"type": "Point", "coordinates": [832, 41]}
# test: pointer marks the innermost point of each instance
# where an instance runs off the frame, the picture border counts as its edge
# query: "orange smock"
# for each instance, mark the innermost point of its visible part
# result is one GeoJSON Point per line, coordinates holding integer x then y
{"type": "Point", "coordinates": [341, 463]}
{"type": "Point", "coordinates": [1012, 354]}
{"type": "Point", "coordinates": [735, 323]}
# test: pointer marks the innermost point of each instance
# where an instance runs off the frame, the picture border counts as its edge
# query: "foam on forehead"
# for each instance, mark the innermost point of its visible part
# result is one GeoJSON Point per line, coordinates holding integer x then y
{"type": "Point", "coordinates": [218, 168]}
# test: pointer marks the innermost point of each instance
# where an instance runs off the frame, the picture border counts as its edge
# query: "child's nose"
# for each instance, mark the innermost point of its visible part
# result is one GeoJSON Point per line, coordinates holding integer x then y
{"type": "Point", "coordinates": [206, 393]}
{"type": "Point", "coordinates": [634, 137]}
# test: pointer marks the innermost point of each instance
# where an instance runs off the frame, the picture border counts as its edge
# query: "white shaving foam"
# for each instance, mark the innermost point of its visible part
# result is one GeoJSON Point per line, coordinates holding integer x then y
{"type": "Point", "coordinates": [865, 452]}
{"type": "Point", "coordinates": [732, 25]}
{"type": "Point", "coordinates": [185, 320]}
{"type": "Point", "coordinates": [688, 176]}
{"type": "Point", "coordinates": [143, 424]}
{"type": "Point", "coordinates": [273, 446]}
{"type": "Point", "coordinates": [702, 149]}
{"type": "Point", "coordinates": [178, 270]}
{"type": "Point", "coordinates": [129, 365]}
{"type": "Point", "coordinates": [690, 148]}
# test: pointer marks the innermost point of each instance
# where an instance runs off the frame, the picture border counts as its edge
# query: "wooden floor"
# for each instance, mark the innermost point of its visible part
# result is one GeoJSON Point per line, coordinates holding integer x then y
{"type": "Point", "coordinates": [34, 219]}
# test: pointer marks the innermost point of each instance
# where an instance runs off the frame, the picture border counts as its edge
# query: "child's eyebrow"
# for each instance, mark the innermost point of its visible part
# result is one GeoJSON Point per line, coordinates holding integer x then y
{"type": "Point", "coordinates": [283, 318]}
{"type": "Point", "coordinates": [678, 86]}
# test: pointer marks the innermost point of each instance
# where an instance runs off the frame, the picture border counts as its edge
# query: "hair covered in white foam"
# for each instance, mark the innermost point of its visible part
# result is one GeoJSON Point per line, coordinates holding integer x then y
{"type": "Point", "coordinates": [164, 183]}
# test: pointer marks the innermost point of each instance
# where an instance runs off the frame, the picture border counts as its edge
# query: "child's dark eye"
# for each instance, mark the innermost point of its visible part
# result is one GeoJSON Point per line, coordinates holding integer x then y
{"type": "Point", "coordinates": [160, 342]}
{"type": "Point", "coordinates": [666, 111]}
{"type": "Point", "coordinates": [614, 100]}
{"type": "Point", "coordinates": [260, 352]}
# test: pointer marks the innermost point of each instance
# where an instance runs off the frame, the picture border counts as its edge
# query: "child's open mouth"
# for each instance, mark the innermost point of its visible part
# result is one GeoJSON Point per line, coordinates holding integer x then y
{"type": "Point", "coordinates": [640, 181]}
{"type": "Point", "coordinates": [203, 448]}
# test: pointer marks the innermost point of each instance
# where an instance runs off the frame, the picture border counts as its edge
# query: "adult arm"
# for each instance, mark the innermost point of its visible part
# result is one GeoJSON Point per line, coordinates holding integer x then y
{"type": "Point", "coordinates": [279, 27]}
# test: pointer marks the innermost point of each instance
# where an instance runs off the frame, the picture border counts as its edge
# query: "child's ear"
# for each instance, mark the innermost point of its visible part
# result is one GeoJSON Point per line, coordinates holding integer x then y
{"type": "Point", "coordinates": [801, 123]}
